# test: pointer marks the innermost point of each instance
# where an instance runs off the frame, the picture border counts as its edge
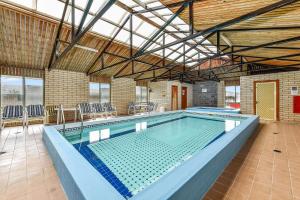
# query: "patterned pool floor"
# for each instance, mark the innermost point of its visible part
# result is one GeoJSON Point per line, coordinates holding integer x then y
{"type": "Point", "coordinates": [133, 161]}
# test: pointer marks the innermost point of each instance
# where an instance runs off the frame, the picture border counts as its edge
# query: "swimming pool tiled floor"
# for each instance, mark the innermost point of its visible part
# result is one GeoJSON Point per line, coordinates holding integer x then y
{"type": "Point", "coordinates": [257, 172]}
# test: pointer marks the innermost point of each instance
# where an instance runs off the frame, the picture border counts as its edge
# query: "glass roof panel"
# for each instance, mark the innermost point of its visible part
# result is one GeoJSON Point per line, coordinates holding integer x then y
{"type": "Point", "coordinates": [123, 36]}
{"type": "Point", "coordinates": [129, 3]}
{"type": "Point", "coordinates": [158, 21]}
{"type": "Point", "coordinates": [137, 40]}
{"type": "Point", "coordinates": [51, 7]}
{"type": "Point", "coordinates": [81, 3]}
{"type": "Point", "coordinates": [78, 15]}
{"type": "Point", "coordinates": [115, 13]}
{"type": "Point", "coordinates": [26, 3]}
{"type": "Point", "coordinates": [96, 5]}
{"type": "Point", "coordinates": [146, 29]}
{"type": "Point", "coordinates": [103, 28]}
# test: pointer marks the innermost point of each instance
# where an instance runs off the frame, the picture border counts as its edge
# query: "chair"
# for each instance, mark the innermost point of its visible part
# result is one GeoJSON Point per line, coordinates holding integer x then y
{"type": "Point", "coordinates": [151, 107]}
{"type": "Point", "coordinates": [35, 112]}
{"type": "Point", "coordinates": [98, 109]}
{"type": "Point", "coordinates": [131, 108]}
{"type": "Point", "coordinates": [12, 113]}
{"type": "Point", "coordinates": [110, 109]}
{"type": "Point", "coordinates": [85, 109]}
{"type": "Point", "coordinates": [51, 111]}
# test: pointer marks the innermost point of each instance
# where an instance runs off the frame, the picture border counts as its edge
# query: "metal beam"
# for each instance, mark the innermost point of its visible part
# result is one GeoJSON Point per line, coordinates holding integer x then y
{"type": "Point", "coordinates": [73, 19]}
{"type": "Point", "coordinates": [252, 48]}
{"type": "Point", "coordinates": [84, 15]}
{"type": "Point", "coordinates": [172, 5]}
{"type": "Point", "coordinates": [58, 34]}
{"type": "Point", "coordinates": [108, 44]}
{"type": "Point", "coordinates": [162, 28]}
{"type": "Point", "coordinates": [108, 4]}
{"type": "Point", "coordinates": [191, 17]}
{"type": "Point", "coordinates": [231, 22]}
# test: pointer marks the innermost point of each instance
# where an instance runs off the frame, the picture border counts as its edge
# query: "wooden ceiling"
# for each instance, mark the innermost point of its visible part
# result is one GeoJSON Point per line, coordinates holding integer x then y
{"type": "Point", "coordinates": [209, 13]}
{"type": "Point", "coordinates": [27, 39]}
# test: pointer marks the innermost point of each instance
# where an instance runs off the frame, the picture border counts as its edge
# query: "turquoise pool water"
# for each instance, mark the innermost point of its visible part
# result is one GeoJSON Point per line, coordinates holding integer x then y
{"type": "Point", "coordinates": [214, 109]}
{"type": "Point", "coordinates": [140, 151]}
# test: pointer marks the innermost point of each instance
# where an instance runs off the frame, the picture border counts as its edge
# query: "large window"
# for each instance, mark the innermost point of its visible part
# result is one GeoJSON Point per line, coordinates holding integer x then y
{"type": "Point", "coordinates": [11, 90]}
{"type": "Point", "coordinates": [33, 91]}
{"type": "Point", "coordinates": [232, 96]}
{"type": "Point", "coordinates": [99, 92]}
{"type": "Point", "coordinates": [141, 94]}
{"type": "Point", "coordinates": [16, 90]}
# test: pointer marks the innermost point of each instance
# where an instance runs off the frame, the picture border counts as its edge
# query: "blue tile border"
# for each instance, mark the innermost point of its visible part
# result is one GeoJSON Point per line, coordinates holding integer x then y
{"type": "Point", "coordinates": [100, 166]}
{"type": "Point", "coordinates": [189, 181]}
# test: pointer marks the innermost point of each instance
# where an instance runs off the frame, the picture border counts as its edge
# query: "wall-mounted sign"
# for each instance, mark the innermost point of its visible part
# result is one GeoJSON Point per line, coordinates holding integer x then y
{"type": "Point", "coordinates": [294, 90]}
{"type": "Point", "coordinates": [204, 90]}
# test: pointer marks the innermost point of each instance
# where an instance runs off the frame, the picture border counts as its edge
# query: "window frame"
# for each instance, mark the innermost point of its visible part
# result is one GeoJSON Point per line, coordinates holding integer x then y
{"type": "Point", "coordinates": [235, 95]}
{"type": "Point", "coordinates": [140, 88]}
{"type": "Point", "coordinates": [23, 86]}
{"type": "Point", "coordinates": [99, 90]}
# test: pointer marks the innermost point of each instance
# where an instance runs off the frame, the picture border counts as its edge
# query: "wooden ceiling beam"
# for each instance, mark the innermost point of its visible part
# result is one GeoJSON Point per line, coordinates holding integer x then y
{"type": "Point", "coordinates": [231, 22]}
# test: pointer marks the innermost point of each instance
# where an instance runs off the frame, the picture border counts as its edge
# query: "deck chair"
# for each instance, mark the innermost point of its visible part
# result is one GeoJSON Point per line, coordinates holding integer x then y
{"type": "Point", "coordinates": [85, 109]}
{"type": "Point", "coordinates": [110, 109]}
{"type": "Point", "coordinates": [51, 112]}
{"type": "Point", "coordinates": [98, 109]}
{"type": "Point", "coordinates": [151, 107]}
{"type": "Point", "coordinates": [131, 108]}
{"type": "Point", "coordinates": [35, 112]}
{"type": "Point", "coordinates": [12, 113]}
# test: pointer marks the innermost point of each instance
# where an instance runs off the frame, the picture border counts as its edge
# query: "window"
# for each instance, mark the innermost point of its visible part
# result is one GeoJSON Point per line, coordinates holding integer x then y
{"type": "Point", "coordinates": [17, 90]}
{"type": "Point", "coordinates": [232, 96]}
{"type": "Point", "coordinates": [33, 91]}
{"type": "Point", "coordinates": [141, 94]}
{"type": "Point", "coordinates": [104, 92]}
{"type": "Point", "coordinates": [94, 93]}
{"type": "Point", "coordinates": [11, 90]}
{"type": "Point", "coordinates": [99, 92]}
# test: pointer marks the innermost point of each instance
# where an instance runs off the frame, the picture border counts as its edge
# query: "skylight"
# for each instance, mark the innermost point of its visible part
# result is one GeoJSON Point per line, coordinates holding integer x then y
{"type": "Point", "coordinates": [109, 23]}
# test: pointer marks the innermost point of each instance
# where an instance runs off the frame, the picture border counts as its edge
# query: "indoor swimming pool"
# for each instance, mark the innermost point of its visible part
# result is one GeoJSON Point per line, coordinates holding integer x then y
{"type": "Point", "coordinates": [133, 154]}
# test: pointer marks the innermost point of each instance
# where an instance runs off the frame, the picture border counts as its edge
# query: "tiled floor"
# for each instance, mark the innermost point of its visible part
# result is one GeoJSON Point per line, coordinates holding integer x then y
{"type": "Point", "coordinates": [257, 172]}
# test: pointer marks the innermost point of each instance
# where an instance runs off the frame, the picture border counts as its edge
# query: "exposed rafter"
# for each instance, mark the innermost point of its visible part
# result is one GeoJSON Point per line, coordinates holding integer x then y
{"type": "Point", "coordinates": [77, 38]}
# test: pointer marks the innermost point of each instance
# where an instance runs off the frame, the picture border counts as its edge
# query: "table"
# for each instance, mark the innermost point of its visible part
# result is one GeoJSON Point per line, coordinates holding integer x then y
{"type": "Point", "coordinates": [61, 114]}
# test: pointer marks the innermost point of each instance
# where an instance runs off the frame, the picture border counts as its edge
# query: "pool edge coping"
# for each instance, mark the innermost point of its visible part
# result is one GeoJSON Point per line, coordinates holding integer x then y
{"type": "Point", "coordinates": [62, 146]}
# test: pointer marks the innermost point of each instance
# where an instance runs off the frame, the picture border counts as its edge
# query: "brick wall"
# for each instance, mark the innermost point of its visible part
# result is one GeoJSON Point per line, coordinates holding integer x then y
{"type": "Point", "coordinates": [162, 93]}
{"type": "Point", "coordinates": [122, 92]}
{"type": "Point", "coordinates": [286, 81]}
{"type": "Point", "coordinates": [65, 87]}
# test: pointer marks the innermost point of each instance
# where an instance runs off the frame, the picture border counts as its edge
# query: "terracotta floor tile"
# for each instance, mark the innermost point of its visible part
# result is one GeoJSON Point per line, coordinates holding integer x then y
{"type": "Point", "coordinates": [256, 173]}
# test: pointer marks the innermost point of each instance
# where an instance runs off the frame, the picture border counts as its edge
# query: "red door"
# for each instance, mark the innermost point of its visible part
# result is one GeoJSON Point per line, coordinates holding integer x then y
{"type": "Point", "coordinates": [174, 97]}
{"type": "Point", "coordinates": [183, 98]}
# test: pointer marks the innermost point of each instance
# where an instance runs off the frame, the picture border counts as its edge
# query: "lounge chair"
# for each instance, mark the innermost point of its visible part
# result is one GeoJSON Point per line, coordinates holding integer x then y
{"type": "Point", "coordinates": [12, 113]}
{"type": "Point", "coordinates": [110, 109]}
{"type": "Point", "coordinates": [131, 108]}
{"type": "Point", "coordinates": [35, 112]}
{"type": "Point", "coordinates": [151, 107]}
{"type": "Point", "coordinates": [51, 112]}
{"type": "Point", "coordinates": [99, 109]}
{"type": "Point", "coordinates": [85, 109]}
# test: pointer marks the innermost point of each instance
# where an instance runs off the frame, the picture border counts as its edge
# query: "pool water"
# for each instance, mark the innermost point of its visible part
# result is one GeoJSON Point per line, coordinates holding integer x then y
{"type": "Point", "coordinates": [214, 109]}
{"type": "Point", "coordinates": [141, 151]}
